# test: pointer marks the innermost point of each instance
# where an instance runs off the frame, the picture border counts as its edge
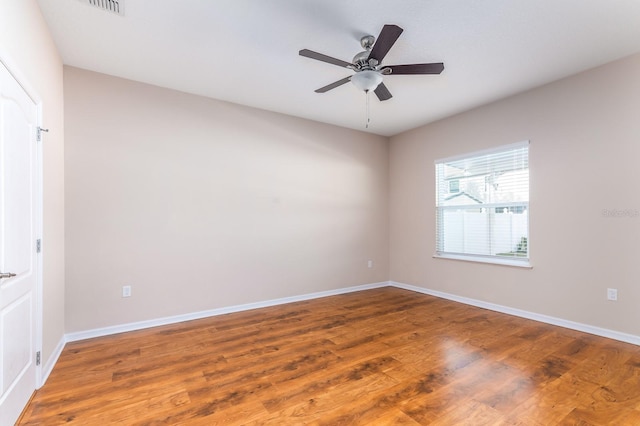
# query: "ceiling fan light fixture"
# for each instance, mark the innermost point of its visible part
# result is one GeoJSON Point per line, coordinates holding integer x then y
{"type": "Point", "coordinates": [366, 80]}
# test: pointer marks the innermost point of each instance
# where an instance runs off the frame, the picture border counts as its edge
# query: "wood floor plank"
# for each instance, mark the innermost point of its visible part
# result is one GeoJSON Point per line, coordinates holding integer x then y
{"type": "Point", "coordinates": [377, 357]}
{"type": "Point", "coordinates": [470, 413]}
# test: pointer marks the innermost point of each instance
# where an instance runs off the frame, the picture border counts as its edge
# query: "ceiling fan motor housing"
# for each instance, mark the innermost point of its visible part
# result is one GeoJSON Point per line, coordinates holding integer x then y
{"type": "Point", "coordinates": [361, 59]}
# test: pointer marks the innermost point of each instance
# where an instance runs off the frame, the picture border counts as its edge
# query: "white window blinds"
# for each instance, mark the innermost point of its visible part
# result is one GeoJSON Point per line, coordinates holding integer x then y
{"type": "Point", "coordinates": [482, 204]}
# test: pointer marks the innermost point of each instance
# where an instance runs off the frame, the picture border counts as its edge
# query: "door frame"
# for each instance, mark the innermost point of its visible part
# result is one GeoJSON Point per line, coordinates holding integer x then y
{"type": "Point", "coordinates": [14, 70]}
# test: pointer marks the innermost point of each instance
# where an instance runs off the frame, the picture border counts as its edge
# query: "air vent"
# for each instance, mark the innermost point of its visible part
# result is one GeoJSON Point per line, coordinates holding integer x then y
{"type": "Point", "coordinates": [114, 6]}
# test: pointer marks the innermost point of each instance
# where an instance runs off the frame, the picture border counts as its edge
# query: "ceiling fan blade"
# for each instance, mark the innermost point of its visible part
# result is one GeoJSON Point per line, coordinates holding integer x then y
{"type": "Point", "coordinates": [385, 41]}
{"type": "Point", "coordinates": [435, 68]}
{"type": "Point", "coordinates": [382, 92]}
{"type": "Point", "coordinates": [324, 58]}
{"type": "Point", "coordinates": [333, 85]}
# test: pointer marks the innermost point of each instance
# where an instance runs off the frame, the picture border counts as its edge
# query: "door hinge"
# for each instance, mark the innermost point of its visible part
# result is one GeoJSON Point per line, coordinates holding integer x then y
{"type": "Point", "coordinates": [38, 245]}
{"type": "Point", "coordinates": [38, 358]}
{"type": "Point", "coordinates": [40, 130]}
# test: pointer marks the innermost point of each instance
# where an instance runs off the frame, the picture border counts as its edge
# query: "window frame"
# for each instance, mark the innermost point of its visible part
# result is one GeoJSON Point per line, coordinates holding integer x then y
{"type": "Point", "coordinates": [523, 262]}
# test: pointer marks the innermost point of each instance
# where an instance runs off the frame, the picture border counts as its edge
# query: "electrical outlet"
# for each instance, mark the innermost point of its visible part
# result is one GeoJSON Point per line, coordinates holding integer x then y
{"type": "Point", "coordinates": [612, 294]}
{"type": "Point", "coordinates": [370, 264]}
{"type": "Point", "coordinates": [126, 291]}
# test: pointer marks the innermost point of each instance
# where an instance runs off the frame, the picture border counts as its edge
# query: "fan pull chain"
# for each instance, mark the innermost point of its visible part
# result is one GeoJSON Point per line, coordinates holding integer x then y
{"type": "Point", "coordinates": [368, 119]}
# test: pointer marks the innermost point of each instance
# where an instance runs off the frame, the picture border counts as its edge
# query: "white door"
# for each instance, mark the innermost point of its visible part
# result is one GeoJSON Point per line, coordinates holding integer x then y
{"type": "Point", "coordinates": [18, 125]}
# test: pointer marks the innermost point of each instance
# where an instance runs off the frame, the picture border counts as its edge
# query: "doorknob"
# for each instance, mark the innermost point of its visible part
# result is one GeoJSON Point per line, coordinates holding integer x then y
{"type": "Point", "coordinates": [6, 275]}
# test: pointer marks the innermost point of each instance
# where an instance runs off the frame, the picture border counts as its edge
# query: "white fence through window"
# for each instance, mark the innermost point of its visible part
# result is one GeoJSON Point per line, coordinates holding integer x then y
{"type": "Point", "coordinates": [484, 232]}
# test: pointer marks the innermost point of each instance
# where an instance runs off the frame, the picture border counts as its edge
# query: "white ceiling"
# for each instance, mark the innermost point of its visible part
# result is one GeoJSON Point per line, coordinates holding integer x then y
{"type": "Point", "coordinates": [246, 51]}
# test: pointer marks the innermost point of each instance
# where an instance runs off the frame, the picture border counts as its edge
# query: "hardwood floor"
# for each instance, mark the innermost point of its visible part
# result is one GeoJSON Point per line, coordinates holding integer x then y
{"type": "Point", "coordinates": [377, 357]}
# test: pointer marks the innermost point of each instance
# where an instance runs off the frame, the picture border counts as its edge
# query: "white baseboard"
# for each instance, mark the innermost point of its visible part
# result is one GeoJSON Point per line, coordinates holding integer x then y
{"type": "Point", "coordinates": [105, 331]}
{"type": "Point", "coordinates": [122, 328]}
{"type": "Point", "coordinates": [611, 334]}
{"type": "Point", "coordinates": [51, 362]}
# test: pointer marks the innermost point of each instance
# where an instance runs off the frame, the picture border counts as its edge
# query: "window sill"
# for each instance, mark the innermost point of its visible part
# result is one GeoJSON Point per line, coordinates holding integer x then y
{"type": "Point", "coordinates": [491, 260]}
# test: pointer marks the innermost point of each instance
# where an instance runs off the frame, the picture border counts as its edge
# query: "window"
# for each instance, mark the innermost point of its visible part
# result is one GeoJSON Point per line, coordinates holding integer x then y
{"type": "Point", "coordinates": [487, 218]}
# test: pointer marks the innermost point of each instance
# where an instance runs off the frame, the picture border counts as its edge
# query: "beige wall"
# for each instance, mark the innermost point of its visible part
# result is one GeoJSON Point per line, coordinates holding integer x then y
{"type": "Point", "coordinates": [200, 204]}
{"type": "Point", "coordinates": [26, 44]}
{"type": "Point", "coordinates": [584, 158]}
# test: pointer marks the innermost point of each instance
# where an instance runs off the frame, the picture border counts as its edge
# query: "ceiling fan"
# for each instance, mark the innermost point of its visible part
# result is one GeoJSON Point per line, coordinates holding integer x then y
{"type": "Point", "coordinates": [368, 67]}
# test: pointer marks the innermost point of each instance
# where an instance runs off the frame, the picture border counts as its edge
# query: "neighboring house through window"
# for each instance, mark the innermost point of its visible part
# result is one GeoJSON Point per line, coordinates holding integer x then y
{"type": "Point", "coordinates": [482, 205]}
{"type": "Point", "coordinates": [454, 186]}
